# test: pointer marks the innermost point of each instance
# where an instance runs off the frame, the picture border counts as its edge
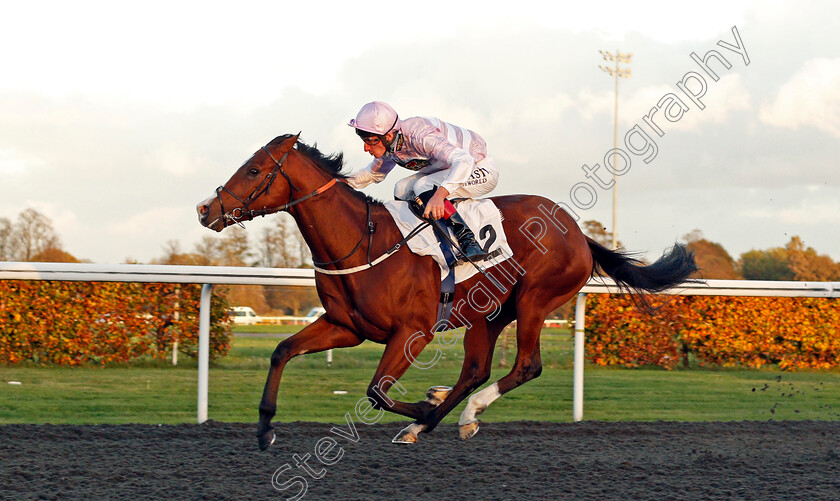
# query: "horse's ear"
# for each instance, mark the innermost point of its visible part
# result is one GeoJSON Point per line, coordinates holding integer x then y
{"type": "Point", "coordinates": [289, 143]}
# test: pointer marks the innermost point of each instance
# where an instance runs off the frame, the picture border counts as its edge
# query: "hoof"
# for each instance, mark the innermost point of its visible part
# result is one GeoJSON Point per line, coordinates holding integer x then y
{"type": "Point", "coordinates": [266, 439]}
{"type": "Point", "coordinates": [468, 430]}
{"type": "Point", "coordinates": [407, 435]}
{"type": "Point", "coordinates": [437, 394]}
{"type": "Point", "coordinates": [404, 437]}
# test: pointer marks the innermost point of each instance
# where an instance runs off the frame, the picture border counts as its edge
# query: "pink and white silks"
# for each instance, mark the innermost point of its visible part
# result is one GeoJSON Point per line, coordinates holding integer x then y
{"type": "Point", "coordinates": [442, 154]}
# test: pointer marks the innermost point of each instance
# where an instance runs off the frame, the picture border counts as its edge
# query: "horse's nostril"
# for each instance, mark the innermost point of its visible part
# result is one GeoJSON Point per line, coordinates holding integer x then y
{"type": "Point", "coordinates": [203, 210]}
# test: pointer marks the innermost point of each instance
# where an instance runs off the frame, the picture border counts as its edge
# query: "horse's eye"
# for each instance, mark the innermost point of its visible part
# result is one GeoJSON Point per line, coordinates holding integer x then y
{"type": "Point", "coordinates": [254, 172]}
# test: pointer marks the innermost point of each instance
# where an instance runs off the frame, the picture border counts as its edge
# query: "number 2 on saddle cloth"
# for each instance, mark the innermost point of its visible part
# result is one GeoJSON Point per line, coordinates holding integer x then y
{"type": "Point", "coordinates": [467, 248]}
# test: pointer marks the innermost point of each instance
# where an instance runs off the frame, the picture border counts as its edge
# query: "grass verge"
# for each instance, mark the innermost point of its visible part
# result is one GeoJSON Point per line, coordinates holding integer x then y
{"type": "Point", "coordinates": [157, 392]}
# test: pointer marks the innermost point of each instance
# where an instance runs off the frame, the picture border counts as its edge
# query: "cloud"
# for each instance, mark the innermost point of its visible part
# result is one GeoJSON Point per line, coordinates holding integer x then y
{"type": "Point", "coordinates": [12, 161]}
{"type": "Point", "coordinates": [591, 104]}
{"type": "Point", "coordinates": [812, 205]}
{"type": "Point", "coordinates": [130, 146]}
{"type": "Point", "coordinates": [145, 223]}
{"type": "Point", "coordinates": [179, 161]}
{"type": "Point", "coordinates": [722, 98]}
{"type": "Point", "coordinates": [806, 213]}
{"type": "Point", "coordinates": [811, 98]}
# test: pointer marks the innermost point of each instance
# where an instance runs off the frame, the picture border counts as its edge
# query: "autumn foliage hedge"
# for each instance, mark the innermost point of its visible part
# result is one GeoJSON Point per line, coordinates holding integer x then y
{"type": "Point", "coordinates": [792, 333]}
{"type": "Point", "coordinates": [72, 323]}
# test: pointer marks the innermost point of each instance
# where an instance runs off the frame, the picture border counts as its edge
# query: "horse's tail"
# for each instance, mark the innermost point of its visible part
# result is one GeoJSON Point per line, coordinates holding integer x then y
{"type": "Point", "coordinates": [632, 276]}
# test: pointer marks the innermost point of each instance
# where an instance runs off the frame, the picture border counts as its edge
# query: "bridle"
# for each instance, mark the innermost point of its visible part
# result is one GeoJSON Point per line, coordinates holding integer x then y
{"type": "Point", "coordinates": [237, 215]}
{"type": "Point", "coordinates": [245, 212]}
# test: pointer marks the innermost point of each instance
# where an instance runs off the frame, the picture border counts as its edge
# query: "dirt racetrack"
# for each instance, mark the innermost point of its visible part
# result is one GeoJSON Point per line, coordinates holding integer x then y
{"type": "Point", "coordinates": [520, 460]}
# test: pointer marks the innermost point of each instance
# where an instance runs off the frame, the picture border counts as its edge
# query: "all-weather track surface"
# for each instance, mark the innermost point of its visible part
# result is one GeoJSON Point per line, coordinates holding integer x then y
{"type": "Point", "coordinates": [515, 460]}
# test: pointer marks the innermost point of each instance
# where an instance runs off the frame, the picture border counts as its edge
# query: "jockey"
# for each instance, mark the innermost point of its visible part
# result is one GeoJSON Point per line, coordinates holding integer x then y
{"type": "Point", "coordinates": [449, 161]}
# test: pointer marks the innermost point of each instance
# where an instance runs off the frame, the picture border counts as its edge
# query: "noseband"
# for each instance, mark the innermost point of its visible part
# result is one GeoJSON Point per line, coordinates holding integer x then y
{"type": "Point", "coordinates": [245, 212]}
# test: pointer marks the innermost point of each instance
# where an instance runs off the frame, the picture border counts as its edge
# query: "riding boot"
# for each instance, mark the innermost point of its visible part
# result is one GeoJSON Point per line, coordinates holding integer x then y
{"type": "Point", "coordinates": [466, 238]}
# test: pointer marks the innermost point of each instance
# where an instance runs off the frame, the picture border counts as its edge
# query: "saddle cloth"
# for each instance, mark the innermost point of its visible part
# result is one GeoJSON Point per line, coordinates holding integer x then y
{"type": "Point", "coordinates": [483, 218]}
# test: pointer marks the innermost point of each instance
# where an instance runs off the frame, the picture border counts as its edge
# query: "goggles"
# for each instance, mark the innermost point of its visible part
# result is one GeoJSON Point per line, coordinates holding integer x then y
{"type": "Point", "coordinates": [371, 140]}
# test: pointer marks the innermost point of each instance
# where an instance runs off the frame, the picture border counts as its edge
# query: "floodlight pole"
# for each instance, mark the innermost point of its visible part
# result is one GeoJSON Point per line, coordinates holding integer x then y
{"type": "Point", "coordinates": [617, 72]}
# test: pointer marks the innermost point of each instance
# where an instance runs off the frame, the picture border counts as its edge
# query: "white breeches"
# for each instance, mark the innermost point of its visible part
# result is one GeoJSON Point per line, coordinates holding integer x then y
{"type": "Point", "coordinates": [483, 179]}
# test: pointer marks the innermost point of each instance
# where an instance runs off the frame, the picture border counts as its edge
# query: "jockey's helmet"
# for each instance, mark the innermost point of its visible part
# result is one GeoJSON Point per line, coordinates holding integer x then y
{"type": "Point", "coordinates": [376, 118]}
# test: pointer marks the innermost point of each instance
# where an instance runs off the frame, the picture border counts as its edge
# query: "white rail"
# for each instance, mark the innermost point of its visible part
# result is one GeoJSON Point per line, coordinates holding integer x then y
{"type": "Point", "coordinates": [151, 273]}
{"type": "Point", "coordinates": [211, 275]}
{"type": "Point", "coordinates": [205, 275]}
{"type": "Point", "coordinates": [753, 288]}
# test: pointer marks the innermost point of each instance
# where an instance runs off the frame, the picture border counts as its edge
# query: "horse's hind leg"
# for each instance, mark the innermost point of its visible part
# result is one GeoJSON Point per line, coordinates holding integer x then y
{"type": "Point", "coordinates": [475, 371]}
{"type": "Point", "coordinates": [527, 366]}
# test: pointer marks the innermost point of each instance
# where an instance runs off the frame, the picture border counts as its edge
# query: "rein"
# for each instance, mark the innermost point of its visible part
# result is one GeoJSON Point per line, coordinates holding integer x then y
{"type": "Point", "coordinates": [236, 215]}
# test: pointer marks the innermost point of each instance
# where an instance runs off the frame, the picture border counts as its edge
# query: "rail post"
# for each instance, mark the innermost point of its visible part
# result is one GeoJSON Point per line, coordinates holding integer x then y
{"type": "Point", "coordinates": [204, 350]}
{"type": "Point", "coordinates": [577, 399]}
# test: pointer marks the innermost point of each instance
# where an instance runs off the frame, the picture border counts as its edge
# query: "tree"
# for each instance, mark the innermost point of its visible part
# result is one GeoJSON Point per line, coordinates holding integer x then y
{"type": "Point", "coordinates": [53, 255]}
{"type": "Point", "coordinates": [291, 300]}
{"type": "Point", "coordinates": [30, 236]}
{"type": "Point", "coordinates": [249, 295]}
{"type": "Point", "coordinates": [277, 246]}
{"type": "Point", "coordinates": [771, 264]}
{"type": "Point", "coordinates": [272, 247]}
{"type": "Point", "coordinates": [172, 255]}
{"type": "Point", "coordinates": [791, 262]}
{"type": "Point", "coordinates": [5, 239]}
{"type": "Point", "coordinates": [806, 264]}
{"type": "Point", "coordinates": [304, 254]}
{"type": "Point", "coordinates": [712, 259]}
{"type": "Point", "coordinates": [282, 245]}
{"type": "Point", "coordinates": [235, 250]}
{"type": "Point", "coordinates": [33, 233]}
{"type": "Point", "coordinates": [208, 251]}
{"type": "Point", "coordinates": [171, 252]}
{"type": "Point", "coordinates": [598, 232]}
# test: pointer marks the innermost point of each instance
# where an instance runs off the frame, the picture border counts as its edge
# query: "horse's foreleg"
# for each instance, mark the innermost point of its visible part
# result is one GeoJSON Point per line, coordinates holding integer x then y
{"type": "Point", "coordinates": [321, 335]}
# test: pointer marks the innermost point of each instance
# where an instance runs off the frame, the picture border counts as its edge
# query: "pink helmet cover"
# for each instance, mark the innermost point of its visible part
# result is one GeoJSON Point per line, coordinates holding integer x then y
{"type": "Point", "coordinates": [377, 118]}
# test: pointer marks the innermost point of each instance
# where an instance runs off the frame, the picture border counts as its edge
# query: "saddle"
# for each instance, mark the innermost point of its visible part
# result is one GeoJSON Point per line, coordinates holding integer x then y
{"type": "Point", "coordinates": [485, 221]}
{"type": "Point", "coordinates": [482, 216]}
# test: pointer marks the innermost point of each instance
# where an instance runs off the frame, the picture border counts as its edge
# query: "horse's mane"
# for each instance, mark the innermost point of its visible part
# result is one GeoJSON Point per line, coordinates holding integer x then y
{"type": "Point", "coordinates": [332, 164]}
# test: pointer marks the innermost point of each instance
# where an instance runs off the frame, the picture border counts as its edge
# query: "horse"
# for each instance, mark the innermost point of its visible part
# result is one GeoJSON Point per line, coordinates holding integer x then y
{"type": "Point", "coordinates": [373, 288]}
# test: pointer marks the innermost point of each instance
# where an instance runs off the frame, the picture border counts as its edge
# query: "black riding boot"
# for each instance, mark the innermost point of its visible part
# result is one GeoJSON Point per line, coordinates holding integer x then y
{"type": "Point", "coordinates": [466, 238]}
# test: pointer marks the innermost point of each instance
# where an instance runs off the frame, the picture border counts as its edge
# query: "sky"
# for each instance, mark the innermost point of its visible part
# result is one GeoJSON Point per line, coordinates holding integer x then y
{"type": "Point", "coordinates": [117, 119]}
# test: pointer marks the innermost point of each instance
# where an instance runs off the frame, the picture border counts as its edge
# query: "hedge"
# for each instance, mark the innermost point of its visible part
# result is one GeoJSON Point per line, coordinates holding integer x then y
{"type": "Point", "coordinates": [792, 333]}
{"type": "Point", "coordinates": [73, 323]}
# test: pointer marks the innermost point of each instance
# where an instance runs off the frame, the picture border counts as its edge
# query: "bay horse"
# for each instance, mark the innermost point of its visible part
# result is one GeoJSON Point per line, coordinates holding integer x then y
{"type": "Point", "coordinates": [374, 289]}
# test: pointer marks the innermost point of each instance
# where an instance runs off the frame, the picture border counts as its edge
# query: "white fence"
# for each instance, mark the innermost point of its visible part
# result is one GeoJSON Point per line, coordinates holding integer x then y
{"type": "Point", "coordinates": [205, 275]}
{"type": "Point", "coordinates": [211, 275]}
{"type": "Point", "coordinates": [754, 288]}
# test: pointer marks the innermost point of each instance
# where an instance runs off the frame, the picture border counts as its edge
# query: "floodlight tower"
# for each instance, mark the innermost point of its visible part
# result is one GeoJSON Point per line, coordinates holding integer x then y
{"type": "Point", "coordinates": [616, 72]}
